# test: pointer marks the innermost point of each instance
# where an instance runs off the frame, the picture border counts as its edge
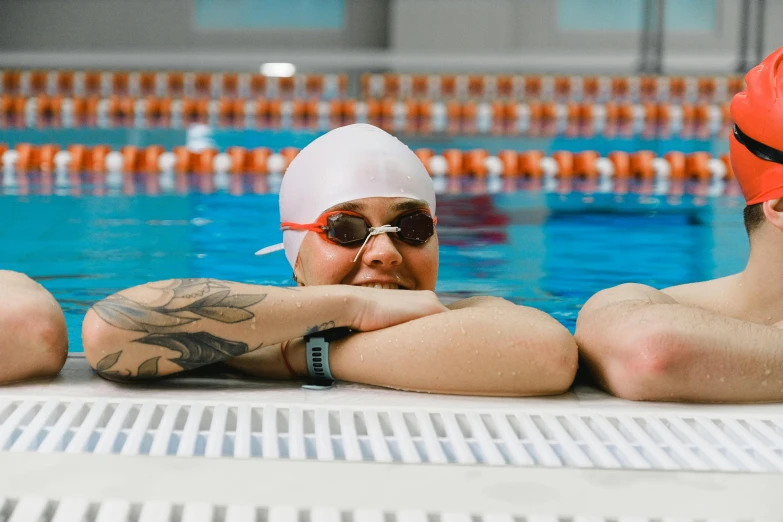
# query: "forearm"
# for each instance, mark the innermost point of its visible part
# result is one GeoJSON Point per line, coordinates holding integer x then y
{"type": "Point", "coordinates": [676, 352]}
{"type": "Point", "coordinates": [166, 327]}
{"type": "Point", "coordinates": [500, 351]}
{"type": "Point", "coordinates": [33, 335]}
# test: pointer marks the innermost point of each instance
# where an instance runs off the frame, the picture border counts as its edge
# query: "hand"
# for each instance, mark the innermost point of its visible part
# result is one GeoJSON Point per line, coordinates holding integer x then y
{"type": "Point", "coordinates": [375, 308]}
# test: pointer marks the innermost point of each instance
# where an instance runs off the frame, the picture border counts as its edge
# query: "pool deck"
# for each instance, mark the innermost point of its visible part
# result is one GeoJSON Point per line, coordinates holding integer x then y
{"type": "Point", "coordinates": [218, 448]}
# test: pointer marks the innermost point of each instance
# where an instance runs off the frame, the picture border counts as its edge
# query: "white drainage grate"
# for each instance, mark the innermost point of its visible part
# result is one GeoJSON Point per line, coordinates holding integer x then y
{"type": "Point", "coordinates": [82, 510]}
{"type": "Point", "coordinates": [648, 441]}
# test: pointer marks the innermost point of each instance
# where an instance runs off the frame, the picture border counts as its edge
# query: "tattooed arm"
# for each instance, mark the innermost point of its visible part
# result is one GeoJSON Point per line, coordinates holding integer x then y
{"type": "Point", "coordinates": [166, 327]}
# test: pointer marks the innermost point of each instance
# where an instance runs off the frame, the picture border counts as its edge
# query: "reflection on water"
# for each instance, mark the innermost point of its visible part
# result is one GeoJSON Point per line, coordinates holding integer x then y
{"type": "Point", "coordinates": [551, 251]}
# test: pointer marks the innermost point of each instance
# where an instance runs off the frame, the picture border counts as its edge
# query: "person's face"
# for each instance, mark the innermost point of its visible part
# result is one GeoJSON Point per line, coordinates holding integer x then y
{"type": "Point", "coordinates": [385, 261]}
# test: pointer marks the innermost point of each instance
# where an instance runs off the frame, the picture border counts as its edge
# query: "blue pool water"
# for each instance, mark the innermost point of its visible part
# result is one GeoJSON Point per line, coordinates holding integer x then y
{"type": "Point", "coordinates": [549, 251]}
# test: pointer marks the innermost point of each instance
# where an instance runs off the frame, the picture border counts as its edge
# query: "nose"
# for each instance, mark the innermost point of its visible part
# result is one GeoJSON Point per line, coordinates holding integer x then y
{"type": "Point", "coordinates": [381, 251]}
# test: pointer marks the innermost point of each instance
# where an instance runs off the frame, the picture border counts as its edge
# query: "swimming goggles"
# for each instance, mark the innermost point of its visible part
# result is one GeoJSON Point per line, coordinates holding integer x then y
{"type": "Point", "coordinates": [350, 229]}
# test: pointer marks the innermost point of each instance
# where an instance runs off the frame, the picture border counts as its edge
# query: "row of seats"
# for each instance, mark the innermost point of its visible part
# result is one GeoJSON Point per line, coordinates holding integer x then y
{"type": "Point", "coordinates": [711, 89]}
{"type": "Point", "coordinates": [171, 84]}
{"type": "Point", "coordinates": [643, 165]}
{"type": "Point", "coordinates": [411, 116]}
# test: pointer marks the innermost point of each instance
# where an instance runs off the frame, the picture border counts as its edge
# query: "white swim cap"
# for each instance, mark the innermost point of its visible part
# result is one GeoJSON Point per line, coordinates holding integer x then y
{"type": "Point", "coordinates": [352, 162]}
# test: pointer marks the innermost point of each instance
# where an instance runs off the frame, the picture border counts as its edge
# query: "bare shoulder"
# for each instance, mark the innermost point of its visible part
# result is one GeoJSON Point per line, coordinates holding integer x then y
{"type": "Point", "coordinates": [479, 301]}
{"type": "Point", "coordinates": [715, 295]}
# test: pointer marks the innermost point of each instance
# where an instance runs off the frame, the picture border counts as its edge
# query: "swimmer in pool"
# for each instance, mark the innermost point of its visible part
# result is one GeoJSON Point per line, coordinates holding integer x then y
{"type": "Point", "coordinates": [713, 341]}
{"type": "Point", "coordinates": [33, 337]}
{"type": "Point", "coordinates": [360, 231]}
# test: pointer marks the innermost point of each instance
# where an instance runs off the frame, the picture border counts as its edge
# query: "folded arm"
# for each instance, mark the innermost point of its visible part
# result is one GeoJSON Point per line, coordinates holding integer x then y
{"type": "Point", "coordinates": [166, 327]}
{"type": "Point", "coordinates": [33, 336]}
{"type": "Point", "coordinates": [483, 346]}
{"type": "Point", "coordinates": [643, 345]}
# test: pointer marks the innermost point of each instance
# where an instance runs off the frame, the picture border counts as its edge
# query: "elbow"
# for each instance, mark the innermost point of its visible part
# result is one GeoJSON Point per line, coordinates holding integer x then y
{"type": "Point", "coordinates": [562, 360]}
{"type": "Point", "coordinates": [98, 339]}
{"type": "Point", "coordinates": [643, 365]}
{"type": "Point", "coordinates": [38, 343]}
{"type": "Point", "coordinates": [550, 363]}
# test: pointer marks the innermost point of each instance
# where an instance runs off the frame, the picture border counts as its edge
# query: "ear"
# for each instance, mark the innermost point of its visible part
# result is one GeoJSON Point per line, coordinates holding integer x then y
{"type": "Point", "coordinates": [773, 212]}
{"type": "Point", "coordinates": [298, 272]}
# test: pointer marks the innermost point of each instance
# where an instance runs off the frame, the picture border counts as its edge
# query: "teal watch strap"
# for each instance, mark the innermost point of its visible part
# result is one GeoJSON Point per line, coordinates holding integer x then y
{"type": "Point", "coordinates": [317, 354]}
{"type": "Point", "coordinates": [318, 359]}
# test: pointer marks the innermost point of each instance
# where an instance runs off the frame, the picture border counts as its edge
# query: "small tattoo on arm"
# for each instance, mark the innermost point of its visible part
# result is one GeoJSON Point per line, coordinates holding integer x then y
{"type": "Point", "coordinates": [104, 367]}
{"type": "Point", "coordinates": [196, 299]}
{"type": "Point", "coordinates": [320, 328]}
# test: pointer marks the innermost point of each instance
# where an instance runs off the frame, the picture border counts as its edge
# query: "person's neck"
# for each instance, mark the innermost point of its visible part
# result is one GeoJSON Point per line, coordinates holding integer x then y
{"type": "Point", "coordinates": [761, 283]}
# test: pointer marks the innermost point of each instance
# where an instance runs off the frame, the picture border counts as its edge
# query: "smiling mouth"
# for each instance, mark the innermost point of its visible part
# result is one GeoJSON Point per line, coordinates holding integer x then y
{"type": "Point", "coordinates": [384, 286]}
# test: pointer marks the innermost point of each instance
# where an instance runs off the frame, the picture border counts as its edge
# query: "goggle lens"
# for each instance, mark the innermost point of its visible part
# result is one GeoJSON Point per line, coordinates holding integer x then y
{"type": "Point", "coordinates": [346, 229]}
{"type": "Point", "coordinates": [416, 228]}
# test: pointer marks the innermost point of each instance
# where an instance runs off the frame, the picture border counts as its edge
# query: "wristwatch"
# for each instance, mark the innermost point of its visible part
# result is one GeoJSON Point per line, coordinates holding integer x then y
{"type": "Point", "coordinates": [317, 353]}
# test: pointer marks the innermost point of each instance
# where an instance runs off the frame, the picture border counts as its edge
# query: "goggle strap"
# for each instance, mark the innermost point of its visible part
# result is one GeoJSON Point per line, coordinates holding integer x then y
{"type": "Point", "coordinates": [270, 249]}
{"type": "Point", "coordinates": [288, 225]}
{"type": "Point", "coordinates": [374, 231]}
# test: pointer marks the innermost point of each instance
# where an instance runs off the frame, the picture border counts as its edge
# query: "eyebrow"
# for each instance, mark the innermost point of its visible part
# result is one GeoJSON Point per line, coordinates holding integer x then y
{"type": "Point", "coordinates": [354, 206]}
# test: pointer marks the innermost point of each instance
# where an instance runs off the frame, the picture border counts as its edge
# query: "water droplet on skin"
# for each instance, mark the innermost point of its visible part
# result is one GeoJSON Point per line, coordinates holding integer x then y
{"type": "Point", "coordinates": [722, 379]}
{"type": "Point", "coordinates": [708, 375]}
{"type": "Point", "coordinates": [476, 351]}
{"type": "Point", "coordinates": [252, 326]}
{"type": "Point", "coordinates": [402, 190]}
{"type": "Point", "coordinates": [763, 383]}
{"type": "Point", "coordinates": [767, 371]}
{"type": "Point", "coordinates": [298, 304]}
{"type": "Point", "coordinates": [500, 373]}
{"type": "Point", "coordinates": [361, 357]}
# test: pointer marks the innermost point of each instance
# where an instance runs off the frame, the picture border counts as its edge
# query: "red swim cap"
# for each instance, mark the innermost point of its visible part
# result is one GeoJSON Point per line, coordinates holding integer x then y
{"type": "Point", "coordinates": [757, 143]}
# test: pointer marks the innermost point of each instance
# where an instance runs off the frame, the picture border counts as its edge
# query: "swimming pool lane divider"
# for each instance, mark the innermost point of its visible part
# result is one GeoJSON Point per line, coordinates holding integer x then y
{"type": "Point", "coordinates": [598, 88]}
{"type": "Point", "coordinates": [665, 174]}
{"type": "Point", "coordinates": [412, 116]}
{"type": "Point", "coordinates": [546, 438]}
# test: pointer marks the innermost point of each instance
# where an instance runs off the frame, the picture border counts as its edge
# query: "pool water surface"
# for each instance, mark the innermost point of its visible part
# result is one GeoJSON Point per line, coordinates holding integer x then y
{"type": "Point", "coordinates": [545, 250]}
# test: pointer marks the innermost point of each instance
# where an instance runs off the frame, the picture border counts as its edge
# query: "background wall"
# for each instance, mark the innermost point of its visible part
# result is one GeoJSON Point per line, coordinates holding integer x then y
{"type": "Point", "coordinates": [469, 35]}
{"type": "Point", "coordinates": [173, 25]}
